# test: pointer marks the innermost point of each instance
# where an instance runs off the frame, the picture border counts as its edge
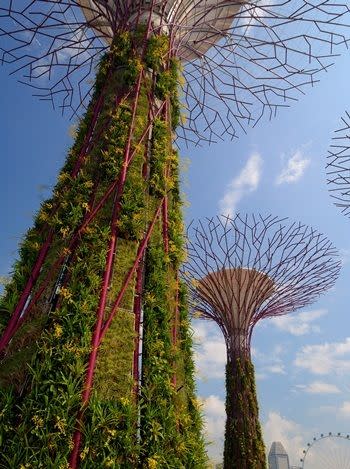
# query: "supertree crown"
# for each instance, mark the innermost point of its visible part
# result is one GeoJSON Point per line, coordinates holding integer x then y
{"type": "Point", "coordinates": [338, 166]}
{"type": "Point", "coordinates": [242, 269]}
{"type": "Point", "coordinates": [241, 59]}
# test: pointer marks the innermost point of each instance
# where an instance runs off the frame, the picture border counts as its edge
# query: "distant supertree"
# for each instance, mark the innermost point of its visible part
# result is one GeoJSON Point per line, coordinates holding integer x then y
{"type": "Point", "coordinates": [242, 270]}
{"type": "Point", "coordinates": [100, 266]}
{"type": "Point", "coordinates": [338, 166]}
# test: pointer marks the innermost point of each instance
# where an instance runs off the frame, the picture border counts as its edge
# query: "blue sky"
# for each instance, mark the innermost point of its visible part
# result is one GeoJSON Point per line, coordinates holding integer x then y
{"type": "Point", "coordinates": [303, 360]}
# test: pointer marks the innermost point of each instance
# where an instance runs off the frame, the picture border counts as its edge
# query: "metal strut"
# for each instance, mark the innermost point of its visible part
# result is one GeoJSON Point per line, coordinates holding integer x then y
{"type": "Point", "coordinates": [19, 312]}
{"type": "Point", "coordinates": [99, 333]}
{"type": "Point", "coordinates": [17, 318]}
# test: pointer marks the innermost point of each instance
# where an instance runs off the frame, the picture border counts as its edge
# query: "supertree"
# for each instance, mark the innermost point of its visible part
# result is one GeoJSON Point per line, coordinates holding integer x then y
{"type": "Point", "coordinates": [84, 283]}
{"type": "Point", "coordinates": [338, 166]}
{"type": "Point", "coordinates": [241, 270]}
{"type": "Point", "coordinates": [101, 262]}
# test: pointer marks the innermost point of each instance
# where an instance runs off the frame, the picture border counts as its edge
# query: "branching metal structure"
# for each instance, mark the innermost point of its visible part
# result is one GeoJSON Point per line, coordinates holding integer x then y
{"type": "Point", "coordinates": [117, 198]}
{"type": "Point", "coordinates": [241, 59]}
{"type": "Point", "coordinates": [242, 270]}
{"type": "Point", "coordinates": [338, 166]}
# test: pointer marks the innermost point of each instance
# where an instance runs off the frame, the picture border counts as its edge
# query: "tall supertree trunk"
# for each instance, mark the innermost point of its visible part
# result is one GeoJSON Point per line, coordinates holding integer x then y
{"type": "Point", "coordinates": [244, 447]}
{"type": "Point", "coordinates": [67, 355]}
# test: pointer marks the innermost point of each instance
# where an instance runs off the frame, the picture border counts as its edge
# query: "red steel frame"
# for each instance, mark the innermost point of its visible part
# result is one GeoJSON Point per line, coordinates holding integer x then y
{"type": "Point", "coordinates": [15, 320]}
{"type": "Point", "coordinates": [100, 326]}
{"type": "Point", "coordinates": [99, 333]}
{"type": "Point", "coordinates": [18, 318]}
{"type": "Point", "coordinates": [26, 302]}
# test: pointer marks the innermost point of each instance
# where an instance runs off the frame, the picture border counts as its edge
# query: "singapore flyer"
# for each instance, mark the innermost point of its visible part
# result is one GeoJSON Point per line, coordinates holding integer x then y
{"type": "Point", "coordinates": [327, 451]}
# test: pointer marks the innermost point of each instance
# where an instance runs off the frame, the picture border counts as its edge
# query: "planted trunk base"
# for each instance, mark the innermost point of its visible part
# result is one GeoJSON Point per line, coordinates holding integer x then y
{"type": "Point", "coordinates": [244, 446]}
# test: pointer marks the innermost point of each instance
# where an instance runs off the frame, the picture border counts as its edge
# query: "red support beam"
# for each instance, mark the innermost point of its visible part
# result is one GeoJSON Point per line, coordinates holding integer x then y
{"type": "Point", "coordinates": [131, 272]}
{"type": "Point", "coordinates": [16, 315]}
{"type": "Point", "coordinates": [98, 337]}
{"type": "Point", "coordinates": [166, 175]}
{"type": "Point", "coordinates": [74, 458]}
{"type": "Point", "coordinates": [87, 140]}
{"type": "Point", "coordinates": [17, 321]}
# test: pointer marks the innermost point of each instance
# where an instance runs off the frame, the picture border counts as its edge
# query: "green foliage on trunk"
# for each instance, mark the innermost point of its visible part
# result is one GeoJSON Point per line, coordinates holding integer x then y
{"type": "Point", "coordinates": [43, 372]}
{"type": "Point", "coordinates": [244, 446]}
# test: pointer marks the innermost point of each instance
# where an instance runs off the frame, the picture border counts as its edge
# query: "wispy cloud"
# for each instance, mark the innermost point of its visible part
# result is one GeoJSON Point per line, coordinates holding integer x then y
{"type": "Point", "coordinates": [210, 352]}
{"type": "Point", "coordinates": [319, 387]}
{"type": "Point", "coordinates": [325, 358]}
{"type": "Point", "coordinates": [341, 411]}
{"type": "Point", "coordinates": [277, 368]}
{"type": "Point", "coordinates": [246, 182]}
{"type": "Point", "coordinates": [301, 323]}
{"type": "Point", "coordinates": [344, 410]}
{"type": "Point", "coordinates": [294, 168]}
{"type": "Point", "coordinates": [269, 363]}
{"type": "Point", "coordinates": [214, 425]}
{"type": "Point", "coordinates": [344, 255]}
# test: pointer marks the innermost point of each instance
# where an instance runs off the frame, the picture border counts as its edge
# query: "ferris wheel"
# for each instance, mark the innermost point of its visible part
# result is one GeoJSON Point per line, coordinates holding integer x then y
{"type": "Point", "coordinates": [327, 451]}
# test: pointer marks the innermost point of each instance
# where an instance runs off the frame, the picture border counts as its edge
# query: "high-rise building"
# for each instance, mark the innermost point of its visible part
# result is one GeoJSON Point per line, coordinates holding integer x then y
{"type": "Point", "coordinates": [278, 457]}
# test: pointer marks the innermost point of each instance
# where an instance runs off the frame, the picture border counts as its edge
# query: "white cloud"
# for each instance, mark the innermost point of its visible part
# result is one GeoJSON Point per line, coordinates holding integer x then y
{"type": "Point", "coordinates": [276, 369]}
{"type": "Point", "coordinates": [214, 409]}
{"type": "Point", "coordinates": [344, 410]}
{"type": "Point", "coordinates": [269, 363]}
{"type": "Point", "coordinates": [344, 255]}
{"type": "Point", "coordinates": [289, 433]}
{"type": "Point", "coordinates": [294, 169]}
{"type": "Point", "coordinates": [325, 358]}
{"type": "Point", "coordinates": [336, 411]}
{"type": "Point", "coordinates": [319, 387]}
{"type": "Point", "coordinates": [214, 425]}
{"type": "Point", "coordinates": [210, 351]}
{"type": "Point", "coordinates": [247, 181]}
{"type": "Point", "coordinates": [301, 323]}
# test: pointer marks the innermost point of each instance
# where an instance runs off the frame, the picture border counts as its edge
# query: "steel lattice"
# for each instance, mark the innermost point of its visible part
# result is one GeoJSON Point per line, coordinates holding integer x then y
{"type": "Point", "coordinates": [241, 60]}
{"type": "Point", "coordinates": [291, 265]}
{"type": "Point", "coordinates": [338, 166]}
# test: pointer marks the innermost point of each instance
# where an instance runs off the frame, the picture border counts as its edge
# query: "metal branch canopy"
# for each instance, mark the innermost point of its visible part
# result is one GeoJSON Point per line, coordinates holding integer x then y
{"type": "Point", "coordinates": [241, 59]}
{"type": "Point", "coordinates": [106, 247]}
{"type": "Point", "coordinates": [338, 166]}
{"type": "Point", "coordinates": [248, 268]}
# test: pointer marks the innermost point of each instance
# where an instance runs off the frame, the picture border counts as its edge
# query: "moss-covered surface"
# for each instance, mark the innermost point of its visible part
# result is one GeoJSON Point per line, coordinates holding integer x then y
{"type": "Point", "coordinates": [42, 374]}
{"type": "Point", "coordinates": [170, 419]}
{"type": "Point", "coordinates": [244, 446]}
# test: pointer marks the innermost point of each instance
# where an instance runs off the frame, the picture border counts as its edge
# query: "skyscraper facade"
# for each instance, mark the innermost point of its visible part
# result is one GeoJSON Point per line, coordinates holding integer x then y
{"type": "Point", "coordinates": [278, 457]}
